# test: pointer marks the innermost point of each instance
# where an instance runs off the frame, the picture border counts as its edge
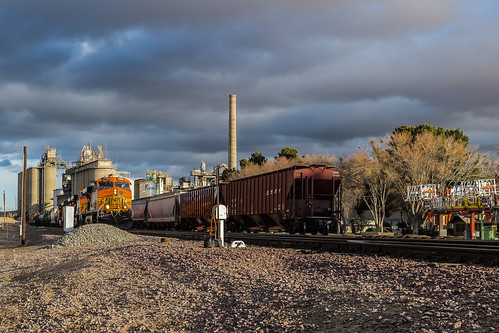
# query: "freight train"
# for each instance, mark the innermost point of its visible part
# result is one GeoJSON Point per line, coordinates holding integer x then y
{"type": "Point", "coordinates": [297, 199]}
{"type": "Point", "coordinates": [107, 200]}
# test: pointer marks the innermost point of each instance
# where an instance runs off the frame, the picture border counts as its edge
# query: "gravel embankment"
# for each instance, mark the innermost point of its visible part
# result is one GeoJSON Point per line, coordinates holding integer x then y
{"type": "Point", "coordinates": [95, 234]}
{"type": "Point", "coordinates": [181, 287]}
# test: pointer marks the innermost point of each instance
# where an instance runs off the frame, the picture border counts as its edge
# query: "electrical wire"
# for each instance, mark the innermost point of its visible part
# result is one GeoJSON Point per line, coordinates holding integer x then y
{"type": "Point", "coordinates": [12, 152]}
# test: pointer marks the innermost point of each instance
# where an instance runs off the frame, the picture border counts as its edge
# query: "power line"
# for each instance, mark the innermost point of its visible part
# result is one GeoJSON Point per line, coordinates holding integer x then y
{"type": "Point", "coordinates": [12, 152]}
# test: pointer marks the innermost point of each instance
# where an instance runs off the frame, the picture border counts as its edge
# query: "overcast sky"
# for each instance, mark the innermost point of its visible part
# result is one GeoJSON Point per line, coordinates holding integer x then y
{"type": "Point", "coordinates": [151, 79]}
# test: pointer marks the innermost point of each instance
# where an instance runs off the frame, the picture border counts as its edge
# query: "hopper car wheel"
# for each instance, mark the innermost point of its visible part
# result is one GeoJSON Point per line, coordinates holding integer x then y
{"type": "Point", "coordinates": [125, 224]}
{"type": "Point", "coordinates": [293, 227]}
{"type": "Point", "coordinates": [303, 229]}
{"type": "Point", "coordinates": [88, 219]}
{"type": "Point", "coordinates": [325, 230]}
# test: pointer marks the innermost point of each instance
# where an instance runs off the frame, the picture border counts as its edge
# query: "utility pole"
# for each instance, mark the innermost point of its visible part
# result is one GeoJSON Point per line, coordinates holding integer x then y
{"type": "Point", "coordinates": [23, 220]}
{"type": "Point", "coordinates": [4, 208]}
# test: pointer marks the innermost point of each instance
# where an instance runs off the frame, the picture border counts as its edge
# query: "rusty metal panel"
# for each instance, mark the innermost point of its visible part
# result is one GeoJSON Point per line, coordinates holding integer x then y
{"type": "Point", "coordinates": [271, 193]}
{"type": "Point", "coordinates": [198, 202]}
{"type": "Point", "coordinates": [259, 197]}
{"type": "Point", "coordinates": [238, 199]}
{"type": "Point", "coordinates": [275, 191]}
{"type": "Point", "coordinates": [248, 197]}
{"type": "Point", "coordinates": [244, 197]}
{"type": "Point", "coordinates": [282, 198]}
{"type": "Point", "coordinates": [284, 191]}
{"type": "Point", "coordinates": [253, 196]}
{"type": "Point", "coordinates": [268, 185]}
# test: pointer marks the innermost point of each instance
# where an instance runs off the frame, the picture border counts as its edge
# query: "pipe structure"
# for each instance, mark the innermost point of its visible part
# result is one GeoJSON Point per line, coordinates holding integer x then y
{"type": "Point", "coordinates": [232, 133]}
{"type": "Point", "coordinates": [23, 216]}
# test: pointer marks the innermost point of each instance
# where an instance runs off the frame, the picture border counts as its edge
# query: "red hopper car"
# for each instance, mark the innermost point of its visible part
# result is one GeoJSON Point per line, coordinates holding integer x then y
{"type": "Point", "coordinates": [296, 199]}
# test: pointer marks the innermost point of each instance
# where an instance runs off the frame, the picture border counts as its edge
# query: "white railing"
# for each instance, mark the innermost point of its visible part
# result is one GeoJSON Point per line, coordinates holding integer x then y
{"type": "Point", "coordinates": [482, 192]}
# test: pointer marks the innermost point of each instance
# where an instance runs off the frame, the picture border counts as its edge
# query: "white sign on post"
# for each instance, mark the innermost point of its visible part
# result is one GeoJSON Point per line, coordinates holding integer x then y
{"type": "Point", "coordinates": [69, 214]}
{"type": "Point", "coordinates": [220, 213]}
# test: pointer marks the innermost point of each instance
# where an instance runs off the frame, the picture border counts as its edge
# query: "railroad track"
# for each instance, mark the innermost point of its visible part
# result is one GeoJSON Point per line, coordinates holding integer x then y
{"type": "Point", "coordinates": [432, 249]}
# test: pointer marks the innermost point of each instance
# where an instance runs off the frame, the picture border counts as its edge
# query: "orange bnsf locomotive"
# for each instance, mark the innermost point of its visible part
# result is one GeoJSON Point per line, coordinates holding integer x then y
{"type": "Point", "coordinates": [108, 200]}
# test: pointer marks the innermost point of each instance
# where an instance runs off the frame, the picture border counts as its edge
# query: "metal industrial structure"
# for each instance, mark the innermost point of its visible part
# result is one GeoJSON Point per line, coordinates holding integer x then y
{"type": "Point", "coordinates": [201, 178]}
{"type": "Point", "coordinates": [91, 166]}
{"type": "Point", "coordinates": [475, 202]}
{"type": "Point", "coordinates": [41, 182]}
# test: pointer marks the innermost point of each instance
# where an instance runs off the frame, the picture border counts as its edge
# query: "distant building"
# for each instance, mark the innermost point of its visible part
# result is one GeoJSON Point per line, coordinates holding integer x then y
{"type": "Point", "coordinates": [155, 182]}
{"type": "Point", "coordinates": [198, 178]}
{"type": "Point", "coordinates": [40, 183]}
{"type": "Point", "coordinates": [144, 188]}
{"type": "Point", "coordinates": [88, 169]}
{"type": "Point", "coordinates": [202, 178]}
{"type": "Point", "coordinates": [184, 183]}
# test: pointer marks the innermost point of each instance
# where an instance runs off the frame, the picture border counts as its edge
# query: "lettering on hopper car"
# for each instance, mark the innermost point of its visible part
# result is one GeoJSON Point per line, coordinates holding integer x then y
{"type": "Point", "coordinates": [272, 192]}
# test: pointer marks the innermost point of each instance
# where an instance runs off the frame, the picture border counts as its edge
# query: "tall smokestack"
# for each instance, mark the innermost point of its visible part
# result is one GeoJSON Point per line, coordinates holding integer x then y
{"type": "Point", "coordinates": [232, 133]}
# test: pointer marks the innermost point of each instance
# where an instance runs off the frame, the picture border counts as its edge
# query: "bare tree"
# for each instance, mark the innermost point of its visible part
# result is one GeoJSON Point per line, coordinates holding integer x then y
{"type": "Point", "coordinates": [371, 176]}
{"type": "Point", "coordinates": [352, 196]}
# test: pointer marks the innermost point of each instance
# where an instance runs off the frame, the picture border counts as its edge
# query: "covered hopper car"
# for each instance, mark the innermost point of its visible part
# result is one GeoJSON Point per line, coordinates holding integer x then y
{"type": "Point", "coordinates": [296, 199]}
{"type": "Point", "coordinates": [158, 212]}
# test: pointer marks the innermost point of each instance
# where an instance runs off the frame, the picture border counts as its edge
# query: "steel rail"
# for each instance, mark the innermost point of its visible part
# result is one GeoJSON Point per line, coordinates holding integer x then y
{"type": "Point", "coordinates": [467, 250]}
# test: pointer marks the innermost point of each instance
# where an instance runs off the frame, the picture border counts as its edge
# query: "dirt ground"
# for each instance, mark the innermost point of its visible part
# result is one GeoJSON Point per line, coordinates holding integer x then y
{"type": "Point", "coordinates": [35, 236]}
{"type": "Point", "coordinates": [182, 287]}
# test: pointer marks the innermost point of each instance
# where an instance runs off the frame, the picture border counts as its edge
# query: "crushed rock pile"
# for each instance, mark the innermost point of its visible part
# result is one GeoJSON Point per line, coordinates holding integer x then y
{"type": "Point", "coordinates": [96, 234]}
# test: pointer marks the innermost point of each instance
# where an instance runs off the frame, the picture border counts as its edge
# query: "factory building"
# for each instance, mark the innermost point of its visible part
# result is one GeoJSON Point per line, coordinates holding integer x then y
{"type": "Point", "coordinates": [198, 178]}
{"type": "Point", "coordinates": [155, 182]}
{"type": "Point", "coordinates": [41, 187]}
{"type": "Point", "coordinates": [91, 166]}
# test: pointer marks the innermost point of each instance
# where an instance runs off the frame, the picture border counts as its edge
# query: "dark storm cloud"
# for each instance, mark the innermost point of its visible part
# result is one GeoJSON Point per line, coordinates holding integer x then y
{"type": "Point", "coordinates": [150, 80]}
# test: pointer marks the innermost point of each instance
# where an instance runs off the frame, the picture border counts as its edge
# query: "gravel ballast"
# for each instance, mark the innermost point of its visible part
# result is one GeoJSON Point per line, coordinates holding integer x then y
{"type": "Point", "coordinates": [95, 234]}
{"type": "Point", "coordinates": [134, 285]}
